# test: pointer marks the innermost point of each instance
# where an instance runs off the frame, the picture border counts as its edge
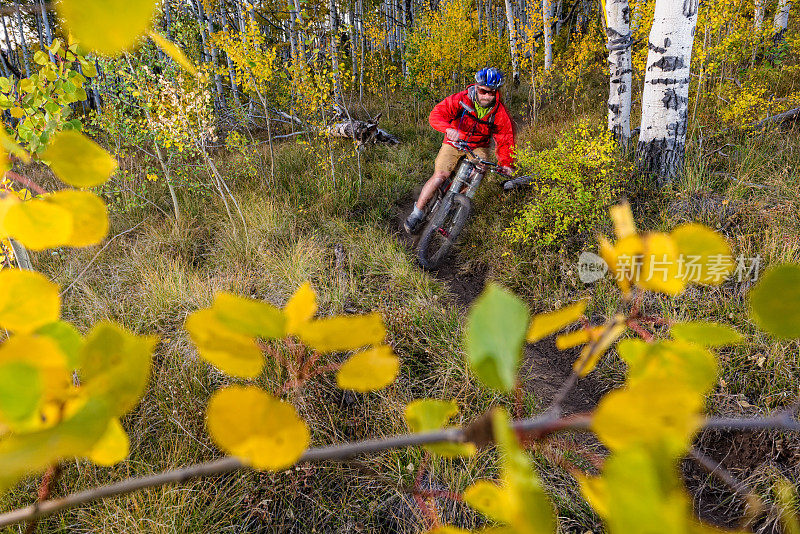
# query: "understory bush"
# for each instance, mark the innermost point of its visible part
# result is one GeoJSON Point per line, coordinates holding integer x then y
{"type": "Point", "coordinates": [573, 183]}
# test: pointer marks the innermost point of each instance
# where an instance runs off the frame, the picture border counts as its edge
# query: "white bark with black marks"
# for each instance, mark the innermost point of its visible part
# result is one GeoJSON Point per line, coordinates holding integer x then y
{"type": "Point", "coordinates": [618, 30]}
{"type": "Point", "coordinates": [781, 20]}
{"type": "Point", "coordinates": [665, 99]}
{"type": "Point", "coordinates": [547, 28]}
{"type": "Point", "coordinates": [512, 41]}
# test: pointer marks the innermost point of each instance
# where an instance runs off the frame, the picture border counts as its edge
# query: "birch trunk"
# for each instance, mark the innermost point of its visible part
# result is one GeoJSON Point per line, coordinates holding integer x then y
{"type": "Point", "coordinates": [547, 28]}
{"type": "Point", "coordinates": [781, 20]}
{"type": "Point", "coordinates": [512, 41]}
{"type": "Point", "coordinates": [48, 34]}
{"type": "Point", "coordinates": [24, 44]}
{"type": "Point", "coordinates": [334, 48]}
{"type": "Point", "coordinates": [758, 21]}
{"type": "Point", "coordinates": [618, 30]}
{"type": "Point", "coordinates": [665, 99]}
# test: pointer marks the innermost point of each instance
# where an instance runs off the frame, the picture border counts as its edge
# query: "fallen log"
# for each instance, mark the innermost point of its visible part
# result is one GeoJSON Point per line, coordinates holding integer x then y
{"type": "Point", "coordinates": [363, 132]}
{"type": "Point", "coordinates": [779, 118]}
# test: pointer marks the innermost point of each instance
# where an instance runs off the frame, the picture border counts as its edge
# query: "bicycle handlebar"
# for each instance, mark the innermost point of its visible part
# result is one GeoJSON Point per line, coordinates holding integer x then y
{"type": "Point", "coordinates": [493, 167]}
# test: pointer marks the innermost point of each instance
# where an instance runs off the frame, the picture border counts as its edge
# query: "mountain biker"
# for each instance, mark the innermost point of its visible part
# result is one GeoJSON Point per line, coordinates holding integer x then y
{"type": "Point", "coordinates": [473, 115]}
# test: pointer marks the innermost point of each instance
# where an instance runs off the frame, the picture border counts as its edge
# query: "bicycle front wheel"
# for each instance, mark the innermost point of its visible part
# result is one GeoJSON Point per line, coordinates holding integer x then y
{"type": "Point", "coordinates": [442, 231]}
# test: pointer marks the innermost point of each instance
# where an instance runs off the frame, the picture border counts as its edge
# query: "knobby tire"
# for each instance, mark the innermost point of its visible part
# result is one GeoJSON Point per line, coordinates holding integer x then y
{"type": "Point", "coordinates": [442, 230]}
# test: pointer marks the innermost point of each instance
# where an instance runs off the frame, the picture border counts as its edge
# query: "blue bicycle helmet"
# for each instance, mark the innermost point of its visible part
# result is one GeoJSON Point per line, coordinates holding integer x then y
{"type": "Point", "coordinates": [489, 77]}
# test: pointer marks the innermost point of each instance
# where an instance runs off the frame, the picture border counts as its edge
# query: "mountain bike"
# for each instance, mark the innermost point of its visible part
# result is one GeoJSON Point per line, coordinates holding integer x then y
{"type": "Point", "coordinates": [451, 207]}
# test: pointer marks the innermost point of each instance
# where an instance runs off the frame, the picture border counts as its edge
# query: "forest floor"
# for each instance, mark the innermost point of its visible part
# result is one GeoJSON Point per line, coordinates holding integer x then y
{"type": "Point", "coordinates": [154, 273]}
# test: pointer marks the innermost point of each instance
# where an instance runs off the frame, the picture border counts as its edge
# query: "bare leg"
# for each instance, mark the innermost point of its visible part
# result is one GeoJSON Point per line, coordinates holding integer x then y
{"type": "Point", "coordinates": [430, 187]}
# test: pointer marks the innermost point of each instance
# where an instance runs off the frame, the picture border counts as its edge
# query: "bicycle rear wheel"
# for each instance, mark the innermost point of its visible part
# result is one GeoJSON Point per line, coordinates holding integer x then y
{"type": "Point", "coordinates": [442, 231]}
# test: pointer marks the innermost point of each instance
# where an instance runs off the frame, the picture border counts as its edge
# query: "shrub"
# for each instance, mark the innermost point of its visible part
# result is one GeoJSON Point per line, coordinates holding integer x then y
{"type": "Point", "coordinates": [573, 184]}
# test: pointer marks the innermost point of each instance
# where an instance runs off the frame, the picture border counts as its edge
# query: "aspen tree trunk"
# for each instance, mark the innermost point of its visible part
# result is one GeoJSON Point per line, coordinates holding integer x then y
{"type": "Point", "coordinates": [557, 16]}
{"type": "Point", "coordinates": [547, 28]}
{"type": "Point", "coordinates": [512, 41]}
{"type": "Point", "coordinates": [215, 61]}
{"type": "Point", "coordinates": [24, 44]}
{"type": "Point", "coordinates": [781, 20]}
{"type": "Point", "coordinates": [48, 34]}
{"type": "Point", "coordinates": [231, 70]}
{"type": "Point", "coordinates": [619, 58]}
{"type": "Point", "coordinates": [758, 21]}
{"type": "Point", "coordinates": [334, 48]}
{"type": "Point", "coordinates": [301, 45]}
{"type": "Point", "coordinates": [293, 31]}
{"type": "Point", "coordinates": [480, 20]}
{"type": "Point", "coordinates": [665, 99]}
{"type": "Point", "coordinates": [362, 44]}
{"type": "Point", "coordinates": [352, 30]}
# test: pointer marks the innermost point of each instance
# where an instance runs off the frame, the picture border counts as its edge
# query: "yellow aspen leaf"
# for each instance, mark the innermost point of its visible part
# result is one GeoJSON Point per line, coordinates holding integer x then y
{"type": "Point", "coordinates": [89, 216]}
{"type": "Point", "coordinates": [603, 337]}
{"type": "Point", "coordinates": [28, 300]}
{"type": "Point", "coordinates": [786, 494]}
{"type": "Point", "coordinates": [623, 258]}
{"type": "Point", "coordinates": [108, 27]}
{"type": "Point", "coordinates": [6, 201]}
{"type": "Point", "coordinates": [31, 452]}
{"type": "Point", "coordinates": [77, 160]}
{"type": "Point", "coordinates": [529, 509]}
{"type": "Point", "coordinates": [621, 215]}
{"type": "Point", "coordinates": [678, 362]}
{"type": "Point", "coordinates": [595, 492]}
{"type": "Point", "coordinates": [261, 430]}
{"type": "Point", "coordinates": [425, 415]}
{"type": "Point", "coordinates": [248, 317]}
{"type": "Point", "coordinates": [115, 366]}
{"type": "Point", "coordinates": [644, 491]}
{"type": "Point", "coordinates": [655, 413]}
{"type": "Point", "coordinates": [706, 254]}
{"type": "Point", "coordinates": [489, 499]}
{"type": "Point", "coordinates": [112, 447]}
{"type": "Point", "coordinates": [343, 333]}
{"type": "Point", "coordinates": [705, 333]}
{"type": "Point", "coordinates": [17, 112]}
{"type": "Point", "coordinates": [174, 52]}
{"type": "Point", "coordinates": [67, 338]}
{"type": "Point", "coordinates": [545, 324]}
{"type": "Point", "coordinates": [12, 147]}
{"type": "Point", "coordinates": [232, 352]}
{"type": "Point", "coordinates": [38, 224]}
{"type": "Point", "coordinates": [300, 308]}
{"type": "Point", "coordinates": [572, 339]}
{"type": "Point", "coordinates": [660, 265]}
{"type": "Point", "coordinates": [369, 370]}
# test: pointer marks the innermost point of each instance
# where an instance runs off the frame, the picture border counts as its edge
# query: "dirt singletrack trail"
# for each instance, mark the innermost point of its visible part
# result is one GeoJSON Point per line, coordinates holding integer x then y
{"type": "Point", "coordinates": [544, 368]}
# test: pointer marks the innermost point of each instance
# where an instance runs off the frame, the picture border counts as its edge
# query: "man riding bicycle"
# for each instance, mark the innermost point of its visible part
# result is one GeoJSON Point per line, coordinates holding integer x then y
{"type": "Point", "coordinates": [473, 115]}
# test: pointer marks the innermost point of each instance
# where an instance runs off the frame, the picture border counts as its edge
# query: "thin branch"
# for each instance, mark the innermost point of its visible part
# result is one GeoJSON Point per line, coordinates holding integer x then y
{"type": "Point", "coordinates": [542, 425]}
{"type": "Point", "coordinates": [27, 182]}
{"type": "Point", "coordinates": [95, 257]}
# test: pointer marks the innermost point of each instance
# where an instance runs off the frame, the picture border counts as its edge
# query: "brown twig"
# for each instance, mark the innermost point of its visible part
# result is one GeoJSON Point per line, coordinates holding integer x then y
{"type": "Point", "coordinates": [27, 182]}
{"type": "Point", "coordinates": [45, 490]}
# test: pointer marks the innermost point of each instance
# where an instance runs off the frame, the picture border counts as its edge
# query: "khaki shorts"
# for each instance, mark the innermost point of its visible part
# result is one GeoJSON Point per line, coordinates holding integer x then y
{"type": "Point", "coordinates": [448, 156]}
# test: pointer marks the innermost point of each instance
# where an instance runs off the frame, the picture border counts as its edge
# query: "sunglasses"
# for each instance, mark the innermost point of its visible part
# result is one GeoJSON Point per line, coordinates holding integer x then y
{"type": "Point", "coordinates": [482, 91]}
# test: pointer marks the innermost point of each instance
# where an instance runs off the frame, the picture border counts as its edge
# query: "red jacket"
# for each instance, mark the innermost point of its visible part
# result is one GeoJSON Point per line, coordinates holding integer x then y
{"type": "Point", "coordinates": [457, 111]}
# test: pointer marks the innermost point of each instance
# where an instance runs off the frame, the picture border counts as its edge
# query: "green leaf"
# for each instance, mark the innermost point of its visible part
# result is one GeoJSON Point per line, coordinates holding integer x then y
{"type": "Point", "coordinates": [775, 301]}
{"type": "Point", "coordinates": [107, 26]}
{"type": "Point", "coordinates": [32, 452]}
{"type": "Point", "coordinates": [706, 334]}
{"type": "Point", "coordinates": [496, 328]}
{"type": "Point", "coordinates": [248, 316]}
{"type": "Point", "coordinates": [67, 338]}
{"type": "Point", "coordinates": [77, 160]}
{"type": "Point", "coordinates": [116, 366]}
{"type": "Point", "coordinates": [20, 391]}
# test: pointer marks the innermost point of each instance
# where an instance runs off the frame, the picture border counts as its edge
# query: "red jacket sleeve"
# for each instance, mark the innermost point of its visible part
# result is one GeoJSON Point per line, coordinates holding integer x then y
{"type": "Point", "coordinates": [504, 138]}
{"type": "Point", "coordinates": [444, 112]}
